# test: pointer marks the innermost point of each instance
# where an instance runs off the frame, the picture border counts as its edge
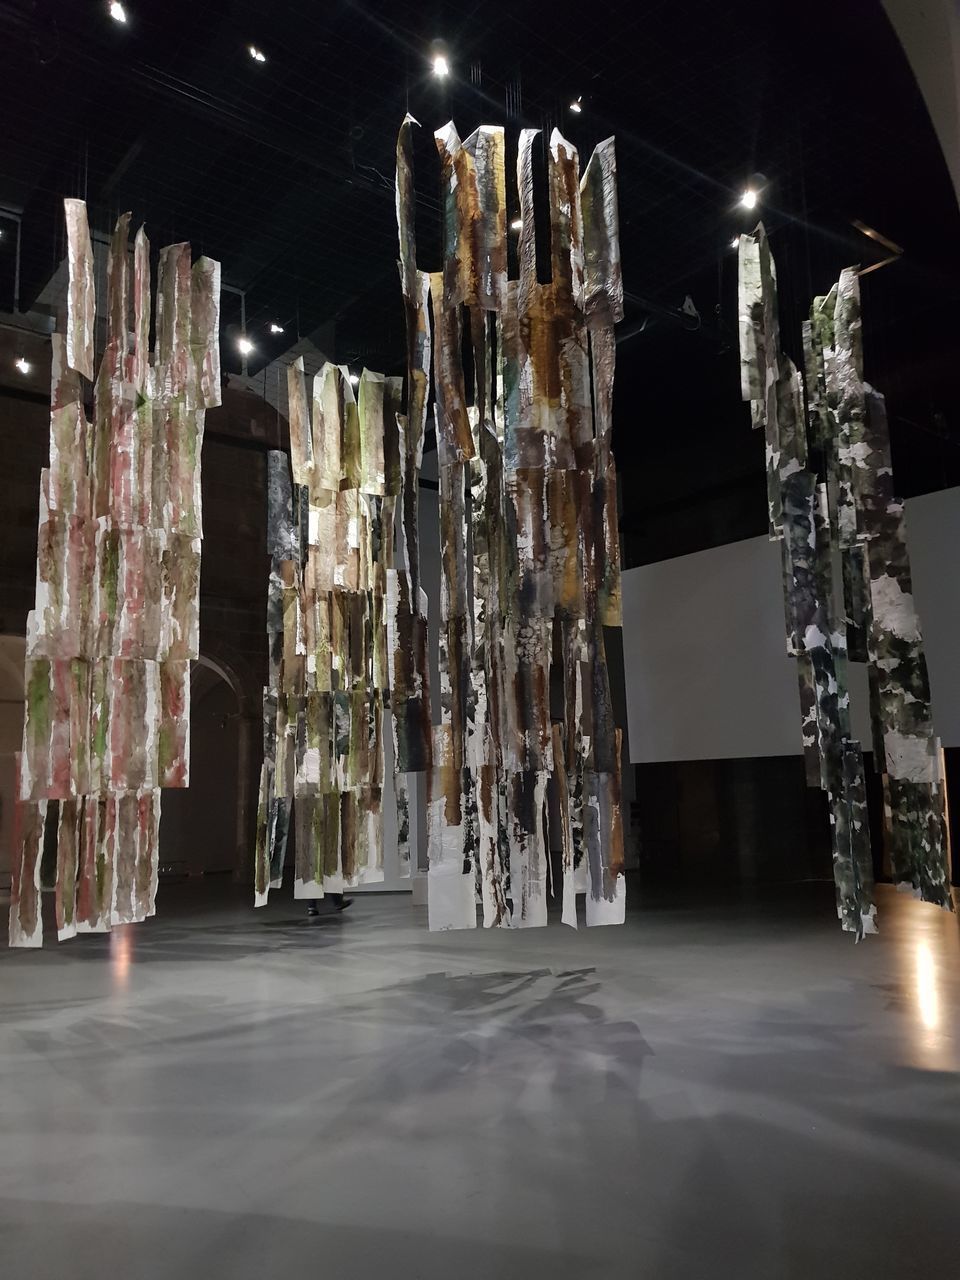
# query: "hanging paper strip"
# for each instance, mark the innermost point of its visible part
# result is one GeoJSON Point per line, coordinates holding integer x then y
{"type": "Point", "coordinates": [116, 615]}
{"type": "Point", "coordinates": [847, 511]}
{"type": "Point", "coordinates": [343, 638]}
{"type": "Point", "coordinates": [528, 532]}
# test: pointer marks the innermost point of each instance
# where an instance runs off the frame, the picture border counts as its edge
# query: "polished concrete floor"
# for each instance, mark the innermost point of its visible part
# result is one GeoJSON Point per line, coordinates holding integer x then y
{"type": "Point", "coordinates": [711, 1091]}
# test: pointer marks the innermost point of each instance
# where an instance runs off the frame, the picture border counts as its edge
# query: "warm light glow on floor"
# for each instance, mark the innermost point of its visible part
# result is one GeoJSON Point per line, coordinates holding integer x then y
{"type": "Point", "coordinates": [121, 957]}
{"type": "Point", "coordinates": [928, 996]}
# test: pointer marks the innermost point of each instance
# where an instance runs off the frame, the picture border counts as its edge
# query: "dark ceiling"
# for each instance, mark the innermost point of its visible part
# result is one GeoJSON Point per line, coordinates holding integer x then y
{"type": "Point", "coordinates": [284, 171]}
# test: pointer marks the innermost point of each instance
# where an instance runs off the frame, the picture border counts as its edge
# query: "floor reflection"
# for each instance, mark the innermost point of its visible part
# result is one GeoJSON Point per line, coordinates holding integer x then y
{"type": "Point", "coordinates": [926, 957]}
{"type": "Point", "coordinates": [121, 956]}
{"type": "Point", "coordinates": [928, 996]}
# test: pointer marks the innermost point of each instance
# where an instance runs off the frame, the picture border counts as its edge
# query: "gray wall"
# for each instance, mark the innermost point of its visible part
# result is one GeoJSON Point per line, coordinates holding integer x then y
{"type": "Point", "coordinates": [707, 673]}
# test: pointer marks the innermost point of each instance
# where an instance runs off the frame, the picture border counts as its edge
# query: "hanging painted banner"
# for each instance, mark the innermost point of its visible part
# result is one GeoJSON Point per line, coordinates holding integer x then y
{"type": "Point", "coordinates": [528, 528]}
{"type": "Point", "coordinates": [342, 637]}
{"type": "Point", "coordinates": [846, 511]}
{"type": "Point", "coordinates": [116, 617]}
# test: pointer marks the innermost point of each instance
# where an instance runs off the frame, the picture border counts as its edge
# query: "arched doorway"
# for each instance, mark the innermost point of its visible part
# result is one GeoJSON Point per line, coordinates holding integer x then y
{"type": "Point", "coordinates": [198, 827]}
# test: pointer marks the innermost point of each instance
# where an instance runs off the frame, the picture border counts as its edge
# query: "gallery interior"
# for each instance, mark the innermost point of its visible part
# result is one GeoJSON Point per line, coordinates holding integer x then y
{"type": "Point", "coordinates": [479, 696]}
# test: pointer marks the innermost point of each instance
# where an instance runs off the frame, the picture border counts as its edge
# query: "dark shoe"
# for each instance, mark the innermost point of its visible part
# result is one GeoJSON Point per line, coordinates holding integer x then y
{"type": "Point", "coordinates": [344, 903]}
{"type": "Point", "coordinates": [312, 908]}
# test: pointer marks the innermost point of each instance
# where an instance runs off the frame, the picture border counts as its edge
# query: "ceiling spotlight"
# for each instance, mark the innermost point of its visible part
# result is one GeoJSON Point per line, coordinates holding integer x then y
{"type": "Point", "coordinates": [441, 66]}
{"type": "Point", "coordinates": [276, 328]}
{"type": "Point", "coordinates": [516, 224]}
{"type": "Point", "coordinates": [749, 199]}
{"type": "Point", "coordinates": [257, 54]}
{"type": "Point", "coordinates": [245, 346]}
{"type": "Point", "coordinates": [576, 106]}
{"type": "Point", "coordinates": [117, 12]}
{"type": "Point", "coordinates": [735, 242]}
{"type": "Point", "coordinates": [354, 379]}
{"type": "Point", "coordinates": [23, 364]}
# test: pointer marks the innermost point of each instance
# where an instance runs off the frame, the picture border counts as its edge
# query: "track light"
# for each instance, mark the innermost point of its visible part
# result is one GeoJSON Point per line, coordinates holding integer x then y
{"type": "Point", "coordinates": [245, 346]}
{"type": "Point", "coordinates": [516, 224]}
{"type": "Point", "coordinates": [276, 328]}
{"type": "Point", "coordinates": [117, 12]}
{"type": "Point", "coordinates": [735, 242]}
{"type": "Point", "coordinates": [23, 364]}
{"type": "Point", "coordinates": [749, 199]}
{"type": "Point", "coordinates": [257, 54]}
{"type": "Point", "coordinates": [577, 106]}
{"type": "Point", "coordinates": [354, 379]}
{"type": "Point", "coordinates": [439, 59]}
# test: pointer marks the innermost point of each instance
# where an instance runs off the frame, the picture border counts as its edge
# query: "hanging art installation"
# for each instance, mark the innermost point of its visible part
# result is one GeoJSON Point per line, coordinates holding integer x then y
{"type": "Point", "coordinates": [831, 499]}
{"type": "Point", "coordinates": [529, 534]}
{"type": "Point", "coordinates": [341, 637]}
{"type": "Point", "coordinates": [530, 567]}
{"type": "Point", "coordinates": [116, 618]}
